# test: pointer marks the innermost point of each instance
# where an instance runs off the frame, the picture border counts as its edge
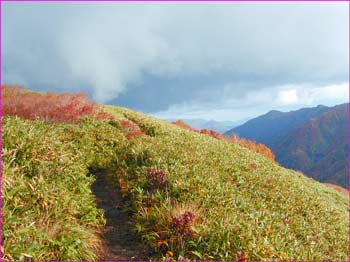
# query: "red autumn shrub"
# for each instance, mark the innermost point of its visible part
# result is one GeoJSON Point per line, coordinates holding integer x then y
{"type": "Point", "coordinates": [134, 134]}
{"type": "Point", "coordinates": [132, 129]}
{"type": "Point", "coordinates": [211, 133]}
{"type": "Point", "coordinates": [183, 224]}
{"type": "Point", "coordinates": [128, 125]}
{"type": "Point", "coordinates": [338, 188]}
{"type": "Point", "coordinates": [156, 178]}
{"type": "Point", "coordinates": [253, 165]}
{"type": "Point", "coordinates": [252, 145]}
{"type": "Point", "coordinates": [183, 125]}
{"type": "Point", "coordinates": [235, 139]}
{"type": "Point", "coordinates": [55, 108]}
{"type": "Point", "coordinates": [241, 257]}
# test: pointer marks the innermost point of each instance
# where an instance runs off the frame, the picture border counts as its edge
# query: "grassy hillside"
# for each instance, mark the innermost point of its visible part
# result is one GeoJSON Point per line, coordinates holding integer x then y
{"type": "Point", "coordinates": [48, 209]}
{"type": "Point", "coordinates": [242, 202]}
{"type": "Point", "coordinates": [190, 195]}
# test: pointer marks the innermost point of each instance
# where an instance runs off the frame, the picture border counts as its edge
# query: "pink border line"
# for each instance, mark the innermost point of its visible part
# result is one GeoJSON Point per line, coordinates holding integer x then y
{"type": "Point", "coordinates": [175, 1]}
{"type": "Point", "coordinates": [1, 128]}
{"type": "Point", "coordinates": [348, 133]}
{"type": "Point", "coordinates": [349, 137]}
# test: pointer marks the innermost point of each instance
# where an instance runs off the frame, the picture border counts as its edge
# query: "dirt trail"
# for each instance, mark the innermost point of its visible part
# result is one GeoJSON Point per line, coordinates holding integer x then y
{"type": "Point", "coordinates": [119, 240]}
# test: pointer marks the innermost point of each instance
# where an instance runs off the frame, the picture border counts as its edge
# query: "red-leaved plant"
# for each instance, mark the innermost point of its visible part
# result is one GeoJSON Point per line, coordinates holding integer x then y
{"type": "Point", "coordinates": [132, 129]}
{"type": "Point", "coordinates": [235, 139]}
{"type": "Point", "coordinates": [54, 108]}
{"type": "Point", "coordinates": [182, 225]}
{"type": "Point", "coordinates": [211, 133]}
{"type": "Point", "coordinates": [156, 178]}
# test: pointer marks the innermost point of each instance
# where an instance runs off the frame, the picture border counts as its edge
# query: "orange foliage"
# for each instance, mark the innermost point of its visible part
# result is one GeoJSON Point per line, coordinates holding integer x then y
{"type": "Point", "coordinates": [183, 125]}
{"type": "Point", "coordinates": [211, 133]}
{"type": "Point", "coordinates": [55, 108]}
{"type": "Point", "coordinates": [131, 128]}
{"type": "Point", "coordinates": [253, 165]}
{"type": "Point", "coordinates": [338, 188]}
{"type": "Point", "coordinates": [235, 139]}
{"type": "Point", "coordinates": [252, 145]}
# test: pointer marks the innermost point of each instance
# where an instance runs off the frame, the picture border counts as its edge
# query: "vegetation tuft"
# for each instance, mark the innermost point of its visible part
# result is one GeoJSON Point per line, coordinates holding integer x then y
{"type": "Point", "coordinates": [55, 108]}
{"type": "Point", "coordinates": [234, 138]}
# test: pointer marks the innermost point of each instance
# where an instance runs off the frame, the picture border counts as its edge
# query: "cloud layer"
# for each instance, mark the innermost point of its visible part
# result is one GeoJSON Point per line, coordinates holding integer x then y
{"type": "Point", "coordinates": [153, 56]}
{"type": "Point", "coordinates": [258, 102]}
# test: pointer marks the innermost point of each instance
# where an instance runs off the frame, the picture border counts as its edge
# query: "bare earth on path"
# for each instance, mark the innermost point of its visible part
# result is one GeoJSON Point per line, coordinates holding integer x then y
{"type": "Point", "coordinates": [120, 243]}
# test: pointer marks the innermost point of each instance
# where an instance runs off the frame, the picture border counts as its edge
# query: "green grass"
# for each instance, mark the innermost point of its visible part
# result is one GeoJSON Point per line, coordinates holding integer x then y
{"type": "Point", "coordinates": [48, 209]}
{"type": "Point", "coordinates": [266, 212]}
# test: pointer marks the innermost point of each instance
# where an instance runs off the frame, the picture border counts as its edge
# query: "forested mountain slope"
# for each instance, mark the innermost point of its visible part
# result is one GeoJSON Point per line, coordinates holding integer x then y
{"type": "Point", "coordinates": [312, 140]}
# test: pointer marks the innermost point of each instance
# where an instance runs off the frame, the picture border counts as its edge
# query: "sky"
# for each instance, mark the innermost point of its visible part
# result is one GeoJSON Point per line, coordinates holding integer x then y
{"type": "Point", "coordinates": [223, 61]}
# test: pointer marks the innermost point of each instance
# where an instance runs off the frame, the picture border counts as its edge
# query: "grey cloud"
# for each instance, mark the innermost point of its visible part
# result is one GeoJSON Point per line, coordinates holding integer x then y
{"type": "Point", "coordinates": [259, 101]}
{"type": "Point", "coordinates": [150, 56]}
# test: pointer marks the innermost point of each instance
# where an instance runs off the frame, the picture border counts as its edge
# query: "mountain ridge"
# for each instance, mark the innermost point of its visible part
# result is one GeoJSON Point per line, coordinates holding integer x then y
{"type": "Point", "coordinates": [270, 130]}
{"type": "Point", "coordinates": [325, 143]}
{"type": "Point", "coordinates": [306, 140]}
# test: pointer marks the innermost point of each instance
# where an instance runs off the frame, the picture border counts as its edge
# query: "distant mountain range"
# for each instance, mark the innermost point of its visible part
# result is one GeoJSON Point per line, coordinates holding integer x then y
{"type": "Point", "coordinates": [312, 140]}
{"type": "Point", "coordinates": [218, 126]}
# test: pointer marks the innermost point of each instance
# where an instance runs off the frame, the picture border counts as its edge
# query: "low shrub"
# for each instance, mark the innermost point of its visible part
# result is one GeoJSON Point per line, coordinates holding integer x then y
{"type": "Point", "coordinates": [183, 125]}
{"type": "Point", "coordinates": [211, 133]}
{"type": "Point", "coordinates": [252, 145]}
{"type": "Point", "coordinates": [156, 178]}
{"type": "Point", "coordinates": [51, 107]}
{"type": "Point", "coordinates": [235, 139]}
{"type": "Point", "coordinates": [183, 224]}
{"type": "Point", "coordinates": [131, 128]}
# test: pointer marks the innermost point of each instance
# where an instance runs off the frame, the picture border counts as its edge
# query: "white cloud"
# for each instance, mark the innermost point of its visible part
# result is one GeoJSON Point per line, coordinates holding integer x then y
{"type": "Point", "coordinates": [287, 97]}
{"type": "Point", "coordinates": [257, 102]}
{"type": "Point", "coordinates": [333, 94]}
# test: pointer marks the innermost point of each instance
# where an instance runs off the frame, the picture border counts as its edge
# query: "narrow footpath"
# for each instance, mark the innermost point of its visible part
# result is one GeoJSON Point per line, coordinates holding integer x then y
{"type": "Point", "coordinates": [119, 240]}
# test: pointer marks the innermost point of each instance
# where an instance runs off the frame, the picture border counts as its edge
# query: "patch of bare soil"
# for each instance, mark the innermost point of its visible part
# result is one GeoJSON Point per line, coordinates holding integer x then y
{"type": "Point", "coordinates": [120, 242]}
